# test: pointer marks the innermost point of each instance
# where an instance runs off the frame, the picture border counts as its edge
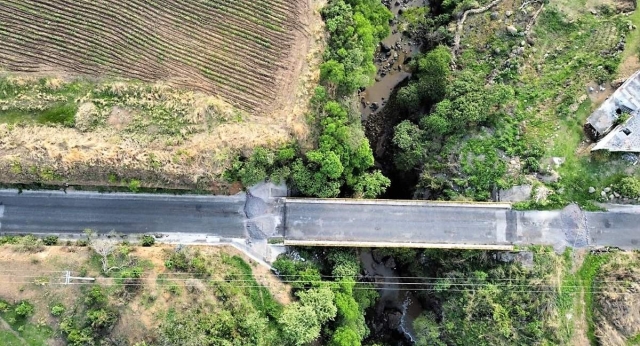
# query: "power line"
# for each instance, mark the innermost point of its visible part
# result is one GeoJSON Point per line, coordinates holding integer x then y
{"type": "Point", "coordinates": [359, 288]}
{"type": "Point", "coordinates": [434, 281]}
{"type": "Point", "coordinates": [551, 289]}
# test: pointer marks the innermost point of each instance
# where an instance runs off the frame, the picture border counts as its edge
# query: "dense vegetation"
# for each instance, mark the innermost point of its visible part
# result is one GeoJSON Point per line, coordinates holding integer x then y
{"type": "Point", "coordinates": [341, 163]}
{"type": "Point", "coordinates": [491, 122]}
{"type": "Point", "coordinates": [475, 298]}
{"type": "Point", "coordinates": [327, 290]}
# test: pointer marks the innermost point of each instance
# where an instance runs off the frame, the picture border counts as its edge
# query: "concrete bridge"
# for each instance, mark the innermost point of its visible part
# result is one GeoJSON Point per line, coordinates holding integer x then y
{"type": "Point", "coordinates": [424, 224]}
{"type": "Point", "coordinates": [261, 216]}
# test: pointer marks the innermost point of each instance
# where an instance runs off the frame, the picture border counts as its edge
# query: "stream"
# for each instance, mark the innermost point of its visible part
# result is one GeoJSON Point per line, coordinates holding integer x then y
{"type": "Point", "coordinates": [397, 308]}
{"type": "Point", "coordinates": [392, 56]}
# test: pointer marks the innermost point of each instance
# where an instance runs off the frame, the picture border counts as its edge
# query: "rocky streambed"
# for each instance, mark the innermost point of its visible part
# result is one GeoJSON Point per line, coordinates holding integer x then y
{"type": "Point", "coordinates": [392, 57]}
{"type": "Point", "coordinates": [397, 308]}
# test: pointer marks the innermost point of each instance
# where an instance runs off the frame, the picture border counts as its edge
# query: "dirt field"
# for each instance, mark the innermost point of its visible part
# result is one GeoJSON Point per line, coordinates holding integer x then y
{"type": "Point", "coordinates": [104, 92]}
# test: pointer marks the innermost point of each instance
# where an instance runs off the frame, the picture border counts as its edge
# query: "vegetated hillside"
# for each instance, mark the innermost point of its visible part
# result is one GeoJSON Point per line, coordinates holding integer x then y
{"type": "Point", "coordinates": [156, 295]}
{"type": "Point", "coordinates": [152, 94]}
{"type": "Point", "coordinates": [240, 50]}
{"type": "Point", "coordinates": [511, 110]}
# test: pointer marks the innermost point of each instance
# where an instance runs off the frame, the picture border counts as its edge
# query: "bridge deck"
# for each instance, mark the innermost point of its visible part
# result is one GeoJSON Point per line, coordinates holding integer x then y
{"type": "Point", "coordinates": [328, 222]}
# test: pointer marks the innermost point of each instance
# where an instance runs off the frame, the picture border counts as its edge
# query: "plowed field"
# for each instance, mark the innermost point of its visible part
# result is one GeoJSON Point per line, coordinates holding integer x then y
{"type": "Point", "coordinates": [157, 93]}
{"type": "Point", "coordinates": [237, 50]}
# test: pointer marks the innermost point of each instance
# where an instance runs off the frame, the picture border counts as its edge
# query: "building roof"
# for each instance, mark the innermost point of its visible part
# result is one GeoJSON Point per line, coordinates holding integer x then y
{"type": "Point", "coordinates": [624, 100]}
{"type": "Point", "coordinates": [624, 138]}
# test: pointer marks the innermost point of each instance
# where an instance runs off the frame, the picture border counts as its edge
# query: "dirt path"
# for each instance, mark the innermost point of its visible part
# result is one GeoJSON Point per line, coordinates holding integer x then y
{"type": "Point", "coordinates": [580, 326]}
{"type": "Point", "coordinates": [5, 325]}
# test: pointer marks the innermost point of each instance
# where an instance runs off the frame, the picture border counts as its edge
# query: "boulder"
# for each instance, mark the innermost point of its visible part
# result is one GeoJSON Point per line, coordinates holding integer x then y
{"type": "Point", "coordinates": [390, 263]}
{"type": "Point", "coordinates": [607, 189]}
{"type": "Point", "coordinates": [516, 194]}
{"type": "Point", "coordinates": [592, 189]}
{"type": "Point", "coordinates": [552, 177]}
{"type": "Point", "coordinates": [557, 161]}
{"type": "Point", "coordinates": [385, 47]}
{"type": "Point", "coordinates": [530, 40]}
{"type": "Point", "coordinates": [512, 30]}
{"type": "Point", "coordinates": [494, 15]}
{"type": "Point", "coordinates": [394, 319]}
{"type": "Point", "coordinates": [508, 13]}
{"type": "Point", "coordinates": [377, 255]}
{"type": "Point", "coordinates": [618, 82]}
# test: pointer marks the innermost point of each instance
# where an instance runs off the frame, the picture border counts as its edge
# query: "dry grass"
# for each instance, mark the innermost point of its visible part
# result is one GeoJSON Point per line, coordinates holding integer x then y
{"type": "Point", "coordinates": [617, 308]}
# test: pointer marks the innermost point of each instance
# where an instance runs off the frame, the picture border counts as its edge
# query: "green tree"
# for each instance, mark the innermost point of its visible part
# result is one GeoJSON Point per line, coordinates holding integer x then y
{"type": "Point", "coordinates": [409, 98]}
{"type": "Point", "coordinates": [371, 185]}
{"type": "Point", "coordinates": [409, 139]}
{"type": "Point", "coordinates": [322, 302]}
{"type": "Point", "coordinates": [344, 336]}
{"type": "Point", "coordinates": [435, 125]}
{"type": "Point", "coordinates": [427, 330]}
{"type": "Point", "coordinates": [299, 324]}
{"type": "Point", "coordinates": [433, 74]}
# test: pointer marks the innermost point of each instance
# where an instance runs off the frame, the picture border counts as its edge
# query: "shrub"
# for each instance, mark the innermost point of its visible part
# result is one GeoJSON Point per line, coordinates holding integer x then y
{"type": "Point", "coordinates": [24, 309]}
{"type": "Point", "coordinates": [134, 185]}
{"type": "Point", "coordinates": [30, 243]}
{"type": "Point", "coordinates": [101, 318]}
{"type": "Point", "coordinates": [95, 297]}
{"type": "Point", "coordinates": [57, 310]}
{"type": "Point", "coordinates": [4, 307]}
{"type": "Point", "coordinates": [148, 240]}
{"type": "Point", "coordinates": [50, 240]}
{"type": "Point", "coordinates": [629, 187]}
{"type": "Point", "coordinates": [87, 117]}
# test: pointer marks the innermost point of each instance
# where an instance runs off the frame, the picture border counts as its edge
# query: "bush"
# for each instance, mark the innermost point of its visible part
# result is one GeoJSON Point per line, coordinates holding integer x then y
{"type": "Point", "coordinates": [134, 185]}
{"type": "Point", "coordinates": [50, 240]}
{"type": "Point", "coordinates": [24, 309]}
{"type": "Point", "coordinates": [101, 318]}
{"type": "Point", "coordinates": [95, 297]}
{"type": "Point", "coordinates": [87, 117]}
{"type": "Point", "coordinates": [30, 243]}
{"type": "Point", "coordinates": [629, 187]}
{"type": "Point", "coordinates": [57, 310]}
{"type": "Point", "coordinates": [148, 240]}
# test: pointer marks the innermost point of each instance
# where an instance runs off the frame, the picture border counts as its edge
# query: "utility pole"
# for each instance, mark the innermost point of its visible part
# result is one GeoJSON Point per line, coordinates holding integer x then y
{"type": "Point", "coordinates": [68, 278]}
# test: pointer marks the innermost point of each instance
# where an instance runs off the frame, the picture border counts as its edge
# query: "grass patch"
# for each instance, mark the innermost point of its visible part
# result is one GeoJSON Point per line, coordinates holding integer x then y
{"type": "Point", "coordinates": [32, 334]}
{"type": "Point", "coordinates": [61, 114]}
{"type": "Point", "coordinates": [9, 339]}
{"type": "Point", "coordinates": [587, 273]}
{"type": "Point", "coordinates": [634, 340]}
{"type": "Point", "coordinates": [57, 114]}
{"type": "Point", "coordinates": [259, 295]}
{"type": "Point", "coordinates": [633, 39]}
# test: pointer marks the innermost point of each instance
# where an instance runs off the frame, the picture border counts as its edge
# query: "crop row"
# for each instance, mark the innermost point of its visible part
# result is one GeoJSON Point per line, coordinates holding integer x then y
{"type": "Point", "coordinates": [230, 49]}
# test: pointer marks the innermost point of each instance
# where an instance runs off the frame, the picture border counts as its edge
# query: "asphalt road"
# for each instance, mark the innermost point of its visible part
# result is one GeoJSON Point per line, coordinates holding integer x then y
{"type": "Point", "coordinates": [619, 228]}
{"type": "Point", "coordinates": [390, 223]}
{"type": "Point", "coordinates": [57, 212]}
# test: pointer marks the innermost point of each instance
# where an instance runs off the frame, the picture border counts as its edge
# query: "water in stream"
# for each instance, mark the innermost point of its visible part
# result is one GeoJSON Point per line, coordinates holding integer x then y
{"type": "Point", "coordinates": [391, 60]}
{"type": "Point", "coordinates": [394, 298]}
